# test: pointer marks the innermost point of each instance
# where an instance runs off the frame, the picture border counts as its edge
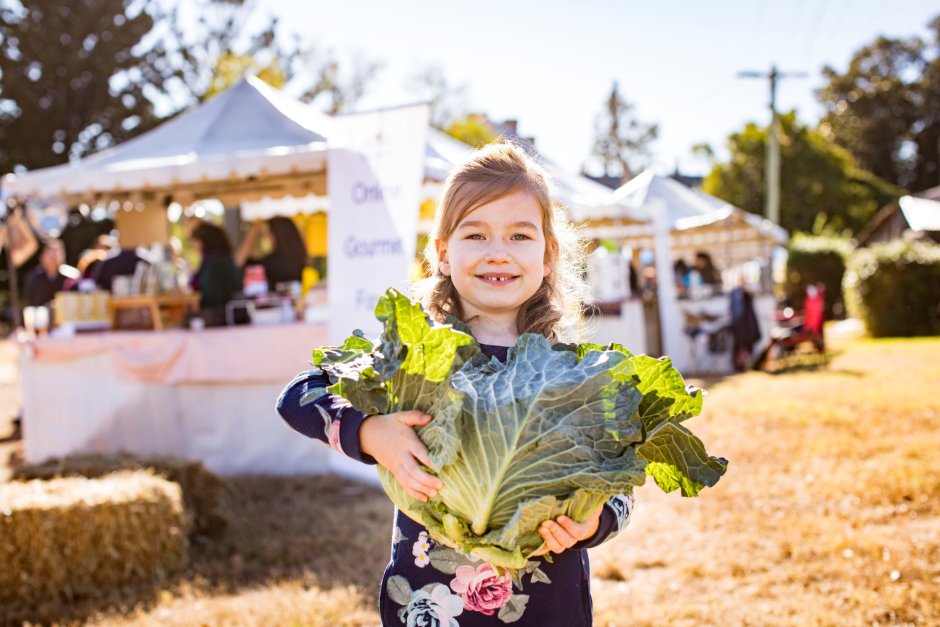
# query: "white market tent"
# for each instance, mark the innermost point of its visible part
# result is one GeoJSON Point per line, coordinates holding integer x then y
{"type": "Point", "coordinates": [658, 213]}
{"type": "Point", "coordinates": [252, 146]}
{"type": "Point", "coordinates": [695, 220]}
{"type": "Point", "coordinates": [245, 143]}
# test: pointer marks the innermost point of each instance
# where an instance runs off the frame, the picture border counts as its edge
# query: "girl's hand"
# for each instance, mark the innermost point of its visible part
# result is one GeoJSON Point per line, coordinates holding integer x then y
{"type": "Point", "coordinates": [392, 441]}
{"type": "Point", "coordinates": [563, 533]}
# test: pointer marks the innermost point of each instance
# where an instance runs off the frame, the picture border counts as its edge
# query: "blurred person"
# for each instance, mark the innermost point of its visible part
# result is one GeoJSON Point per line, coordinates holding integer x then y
{"type": "Point", "coordinates": [217, 279]}
{"type": "Point", "coordinates": [744, 326]}
{"type": "Point", "coordinates": [117, 261]}
{"type": "Point", "coordinates": [43, 281]}
{"type": "Point", "coordinates": [288, 253]}
{"type": "Point", "coordinates": [90, 260]}
{"type": "Point", "coordinates": [78, 235]}
{"type": "Point", "coordinates": [681, 270]}
{"type": "Point", "coordinates": [706, 269]}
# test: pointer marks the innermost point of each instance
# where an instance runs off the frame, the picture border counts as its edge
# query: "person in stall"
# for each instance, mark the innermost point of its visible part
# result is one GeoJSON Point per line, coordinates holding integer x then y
{"type": "Point", "coordinates": [218, 278]}
{"type": "Point", "coordinates": [43, 281]}
{"type": "Point", "coordinates": [745, 329]}
{"type": "Point", "coordinates": [287, 254]}
{"type": "Point", "coordinates": [116, 262]}
{"type": "Point", "coordinates": [706, 269]}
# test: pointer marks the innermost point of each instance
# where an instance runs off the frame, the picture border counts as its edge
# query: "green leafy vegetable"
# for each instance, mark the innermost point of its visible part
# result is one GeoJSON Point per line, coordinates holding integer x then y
{"type": "Point", "coordinates": [552, 431]}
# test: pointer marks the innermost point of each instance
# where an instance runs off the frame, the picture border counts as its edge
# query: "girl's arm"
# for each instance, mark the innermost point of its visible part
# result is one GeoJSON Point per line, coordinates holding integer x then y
{"type": "Point", "coordinates": [244, 249]}
{"type": "Point", "coordinates": [615, 516]}
{"type": "Point", "coordinates": [601, 525]}
{"type": "Point", "coordinates": [389, 440]}
{"type": "Point", "coordinates": [309, 409]}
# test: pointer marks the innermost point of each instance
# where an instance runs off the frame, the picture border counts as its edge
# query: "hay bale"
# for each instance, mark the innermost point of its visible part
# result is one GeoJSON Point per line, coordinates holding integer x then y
{"type": "Point", "coordinates": [203, 492]}
{"type": "Point", "coordinates": [78, 537]}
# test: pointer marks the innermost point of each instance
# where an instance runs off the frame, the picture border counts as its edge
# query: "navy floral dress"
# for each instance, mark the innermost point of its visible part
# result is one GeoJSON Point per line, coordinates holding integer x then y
{"type": "Point", "coordinates": [427, 584]}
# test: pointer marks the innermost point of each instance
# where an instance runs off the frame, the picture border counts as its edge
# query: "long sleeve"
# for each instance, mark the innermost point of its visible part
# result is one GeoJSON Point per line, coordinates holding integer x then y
{"type": "Point", "coordinates": [614, 518]}
{"type": "Point", "coordinates": [309, 409]}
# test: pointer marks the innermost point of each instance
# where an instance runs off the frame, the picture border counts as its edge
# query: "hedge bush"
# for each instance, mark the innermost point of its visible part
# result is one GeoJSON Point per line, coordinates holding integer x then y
{"type": "Point", "coordinates": [817, 259]}
{"type": "Point", "coordinates": [894, 288]}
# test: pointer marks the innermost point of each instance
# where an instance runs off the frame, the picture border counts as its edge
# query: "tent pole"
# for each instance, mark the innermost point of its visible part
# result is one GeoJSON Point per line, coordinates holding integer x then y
{"type": "Point", "coordinates": [669, 321]}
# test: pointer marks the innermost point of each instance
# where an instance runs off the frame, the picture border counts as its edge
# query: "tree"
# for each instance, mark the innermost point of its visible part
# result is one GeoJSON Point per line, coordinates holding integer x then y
{"type": "Point", "coordinates": [821, 186]}
{"type": "Point", "coordinates": [885, 109]}
{"type": "Point", "coordinates": [76, 77]}
{"type": "Point", "coordinates": [621, 146]}
{"type": "Point", "coordinates": [472, 129]}
{"type": "Point", "coordinates": [220, 49]}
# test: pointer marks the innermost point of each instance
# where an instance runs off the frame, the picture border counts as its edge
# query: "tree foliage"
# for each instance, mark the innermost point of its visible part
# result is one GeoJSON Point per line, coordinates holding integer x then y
{"type": "Point", "coordinates": [622, 143]}
{"type": "Point", "coordinates": [885, 109]}
{"type": "Point", "coordinates": [472, 129]}
{"type": "Point", "coordinates": [76, 77]}
{"type": "Point", "coordinates": [821, 187]}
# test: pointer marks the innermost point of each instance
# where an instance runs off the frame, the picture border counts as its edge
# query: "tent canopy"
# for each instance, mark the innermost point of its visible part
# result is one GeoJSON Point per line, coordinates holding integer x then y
{"type": "Point", "coordinates": [696, 220]}
{"type": "Point", "coordinates": [922, 214]}
{"type": "Point", "coordinates": [248, 141]}
{"type": "Point", "coordinates": [251, 145]}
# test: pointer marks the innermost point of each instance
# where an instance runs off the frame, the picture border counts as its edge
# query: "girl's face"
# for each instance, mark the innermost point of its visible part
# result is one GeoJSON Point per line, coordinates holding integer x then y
{"type": "Point", "coordinates": [496, 256]}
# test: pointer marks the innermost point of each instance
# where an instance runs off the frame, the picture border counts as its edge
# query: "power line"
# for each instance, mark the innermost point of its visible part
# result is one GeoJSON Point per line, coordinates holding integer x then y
{"type": "Point", "coordinates": [814, 29]}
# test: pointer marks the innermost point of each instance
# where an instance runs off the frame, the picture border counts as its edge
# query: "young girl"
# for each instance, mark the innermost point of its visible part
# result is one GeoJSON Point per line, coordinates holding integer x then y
{"type": "Point", "coordinates": [503, 260]}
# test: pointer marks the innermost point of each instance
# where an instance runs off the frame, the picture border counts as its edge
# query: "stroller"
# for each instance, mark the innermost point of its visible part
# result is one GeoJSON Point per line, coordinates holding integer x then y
{"type": "Point", "coordinates": [795, 333]}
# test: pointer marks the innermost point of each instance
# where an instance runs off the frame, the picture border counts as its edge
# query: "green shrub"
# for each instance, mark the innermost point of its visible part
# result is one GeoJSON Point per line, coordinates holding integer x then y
{"type": "Point", "coordinates": [817, 259]}
{"type": "Point", "coordinates": [894, 288]}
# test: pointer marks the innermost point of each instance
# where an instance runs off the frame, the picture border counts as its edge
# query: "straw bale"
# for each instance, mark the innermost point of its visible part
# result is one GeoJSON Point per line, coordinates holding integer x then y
{"type": "Point", "coordinates": [203, 492]}
{"type": "Point", "coordinates": [77, 537]}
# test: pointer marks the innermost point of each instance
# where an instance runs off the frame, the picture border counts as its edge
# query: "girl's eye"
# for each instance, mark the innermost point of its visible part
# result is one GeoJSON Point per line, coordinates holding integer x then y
{"type": "Point", "coordinates": [520, 237]}
{"type": "Point", "coordinates": [474, 236]}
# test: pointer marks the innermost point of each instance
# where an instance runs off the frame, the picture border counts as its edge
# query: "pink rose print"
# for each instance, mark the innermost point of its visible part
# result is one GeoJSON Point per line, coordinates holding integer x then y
{"type": "Point", "coordinates": [481, 589]}
{"type": "Point", "coordinates": [333, 436]}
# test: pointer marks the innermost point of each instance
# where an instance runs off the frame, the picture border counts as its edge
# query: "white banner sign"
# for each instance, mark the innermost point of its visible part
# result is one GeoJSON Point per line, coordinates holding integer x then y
{"type": "Point", "coordinates": [375, 171]}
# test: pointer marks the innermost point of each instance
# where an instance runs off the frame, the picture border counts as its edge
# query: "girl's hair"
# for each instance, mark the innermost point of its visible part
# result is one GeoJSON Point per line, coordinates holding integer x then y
{"type": "Point", "coordinates": [490, 173]}
{"type": "Point", "coordinates": [213, 238]}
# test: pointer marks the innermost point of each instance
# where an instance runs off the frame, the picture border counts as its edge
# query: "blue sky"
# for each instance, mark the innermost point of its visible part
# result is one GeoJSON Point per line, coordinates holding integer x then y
{"type": "Point", "coordinates": [550, 64]}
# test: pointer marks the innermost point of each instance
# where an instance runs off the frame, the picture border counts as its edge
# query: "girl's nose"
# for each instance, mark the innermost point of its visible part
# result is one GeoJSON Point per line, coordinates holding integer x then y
{"type": "Point", "coordinates": [496, 252]}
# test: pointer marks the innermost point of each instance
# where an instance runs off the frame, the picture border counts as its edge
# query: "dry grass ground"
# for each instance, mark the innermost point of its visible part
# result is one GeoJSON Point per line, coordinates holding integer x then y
{"type": "Point", "coordinates": [829, 515]}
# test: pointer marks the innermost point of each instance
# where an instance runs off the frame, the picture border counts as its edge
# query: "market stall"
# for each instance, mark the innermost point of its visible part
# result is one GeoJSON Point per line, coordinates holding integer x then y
{"type": "Point", "coordinates": [205, 394]}
{"type": "Point", "coordinates": [657, 214]}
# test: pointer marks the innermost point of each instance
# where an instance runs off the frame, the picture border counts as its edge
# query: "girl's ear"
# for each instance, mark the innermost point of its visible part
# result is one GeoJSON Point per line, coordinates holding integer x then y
{"type": "Point", "coordinates": [443, 265]}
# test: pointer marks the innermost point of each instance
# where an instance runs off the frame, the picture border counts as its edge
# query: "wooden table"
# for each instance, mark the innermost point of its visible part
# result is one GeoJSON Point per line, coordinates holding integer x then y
{"type": "Point", "coordinates": [166, 310]}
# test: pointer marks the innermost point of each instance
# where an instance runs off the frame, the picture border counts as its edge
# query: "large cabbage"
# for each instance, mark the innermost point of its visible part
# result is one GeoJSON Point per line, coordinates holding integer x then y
{"type": "Point", "coordinates": [552, 431]}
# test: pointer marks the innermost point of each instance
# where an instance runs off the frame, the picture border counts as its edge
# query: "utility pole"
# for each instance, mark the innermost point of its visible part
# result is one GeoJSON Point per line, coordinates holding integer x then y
{"type": "Point", "coordinates": [772, 165]}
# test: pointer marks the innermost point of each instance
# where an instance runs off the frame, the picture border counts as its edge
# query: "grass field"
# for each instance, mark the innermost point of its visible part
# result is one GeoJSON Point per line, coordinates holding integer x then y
{"type": "Point", "coordinates": [829, 515]}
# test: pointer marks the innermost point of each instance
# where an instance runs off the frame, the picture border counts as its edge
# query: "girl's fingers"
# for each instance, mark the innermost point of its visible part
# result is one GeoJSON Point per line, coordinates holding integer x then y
{"type": "Point", "coordinates": [574, 529]}
{"type": "Point", "coordinates": [418, 483]}
{"type": "Point", "coordinates": [424, 481]}
{"type": "Point", "coordinates": [551, 544]}
{"type": "Point", "coordinates": [556, 537]}
{"type": "Point", "coordinates": [420, 452]}
{"type": "Point", "coordinates": [413, 418]}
